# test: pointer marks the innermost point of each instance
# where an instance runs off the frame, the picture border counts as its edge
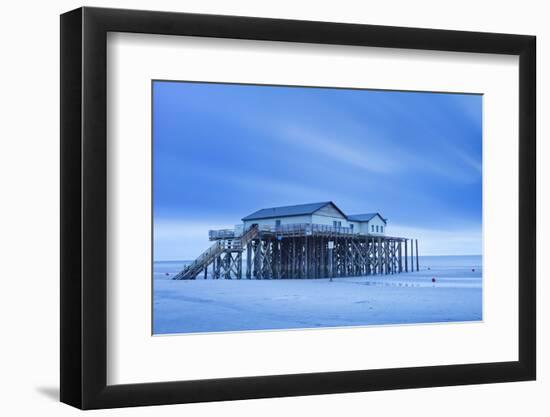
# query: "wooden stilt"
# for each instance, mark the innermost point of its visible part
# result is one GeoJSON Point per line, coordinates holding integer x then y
{"type": "Point", "coordinates": [249, 260]}
{"type": "Point", "coordinates": [400, 256]}
{"type": "Point", "coordinates": [412, 255]}
{"type": "Point", "coordinates": [239, 265]}
{"type": "Point", "coordinates": [307, 265]}
{"type": "Point", "coordinates": [416, 243]}
{"type": "Point", "coordinates": [406, 256]}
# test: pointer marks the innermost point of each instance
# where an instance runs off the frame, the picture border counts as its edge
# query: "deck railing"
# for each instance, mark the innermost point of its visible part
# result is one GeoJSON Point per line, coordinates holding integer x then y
{"type": "Point", "coordinates": [234, 245]}
{"type": "Point", "coordinates": [308, 228]}
{"type": "Point", "coordinates": [287, 229]}
{"type": "Point", "coordinates": [221, 234]}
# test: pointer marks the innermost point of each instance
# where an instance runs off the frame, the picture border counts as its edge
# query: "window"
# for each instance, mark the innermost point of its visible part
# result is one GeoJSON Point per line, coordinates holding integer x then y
{"type": "Point", "coordinates": [372, 228]}
{"type": "Point", "coordinates": [351, 227]}
{"type": "Point", "coordinates": [381, 229]}
{"type": "Point", "coordinates": [277, 223]}
{"type": "Point", "coordinates": [376, 229]}
{"type": "Point", "coordinates": [337, 224]}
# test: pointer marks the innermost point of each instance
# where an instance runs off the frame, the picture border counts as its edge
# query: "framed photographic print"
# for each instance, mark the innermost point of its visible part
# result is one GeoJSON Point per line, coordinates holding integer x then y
{"type": "Point", "coordinates": [258, 207]}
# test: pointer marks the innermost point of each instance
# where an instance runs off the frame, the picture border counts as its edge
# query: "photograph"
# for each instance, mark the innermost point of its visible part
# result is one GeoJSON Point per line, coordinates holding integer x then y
{"type": "Point", "coordinates": [338, 205]}
{"type": "Point", "coordinates": [303, 207]}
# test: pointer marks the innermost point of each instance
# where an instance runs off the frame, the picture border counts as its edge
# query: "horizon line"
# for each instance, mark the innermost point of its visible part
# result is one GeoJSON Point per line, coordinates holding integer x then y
{"type": "Point", "coordinates": [191, 260]}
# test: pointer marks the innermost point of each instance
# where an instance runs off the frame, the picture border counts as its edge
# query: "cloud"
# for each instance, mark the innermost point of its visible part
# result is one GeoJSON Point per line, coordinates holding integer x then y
{"type": "Point", "coordinates": [415, 157]}
{"type": "Point", "coordinates": [176, 239]}
{"type": "Point", "coordinates": [437, 242]}
{"type": "Point", "coordinates": [368, 159]}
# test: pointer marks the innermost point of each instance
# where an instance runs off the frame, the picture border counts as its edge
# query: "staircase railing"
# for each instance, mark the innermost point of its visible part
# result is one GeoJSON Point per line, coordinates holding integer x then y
{"type": "Point", "coordinates": [199, 263]}
{"type": "Point", "coordinates": [204, 259]}
{"type": "Point", "coordinates": [249, 235]}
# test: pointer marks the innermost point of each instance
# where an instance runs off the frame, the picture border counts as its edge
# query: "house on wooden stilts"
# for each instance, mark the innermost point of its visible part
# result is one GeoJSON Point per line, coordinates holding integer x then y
{"type": "Point", "coordinates": [316, 240]}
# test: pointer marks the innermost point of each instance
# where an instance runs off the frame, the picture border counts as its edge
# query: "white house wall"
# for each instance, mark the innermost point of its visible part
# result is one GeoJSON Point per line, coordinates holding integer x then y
{"type": "Point", "coordinates": [376, 221]}
{"type": "Point", "coordinates": [330, 211]}
{"type": "Point", "coordinates": [363, 228]}
{"type": "Point", "coordinates": [284, 220]}
{"type": "Point", "coordinates": [356, 226]}
{"type": "Point", "coordinates": [329, 221]}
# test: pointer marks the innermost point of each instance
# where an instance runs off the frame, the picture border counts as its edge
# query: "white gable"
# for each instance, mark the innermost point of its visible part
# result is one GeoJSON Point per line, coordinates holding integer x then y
{"type": "Point", "coordinates": [376, 226]}
{"type": "Point", "coordinates": [330, 211]}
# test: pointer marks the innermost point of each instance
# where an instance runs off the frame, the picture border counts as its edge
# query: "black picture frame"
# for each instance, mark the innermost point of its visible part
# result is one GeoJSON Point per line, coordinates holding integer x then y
{"type": "Point", "coordinates": [84, 207]}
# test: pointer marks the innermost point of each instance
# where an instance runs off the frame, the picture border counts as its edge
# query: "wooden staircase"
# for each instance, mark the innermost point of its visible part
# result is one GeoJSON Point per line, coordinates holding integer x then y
{"type": "Point", "coordinates": [250, 234]}
{"type": "Point", "coordinates": [204, 259]}
{"type": "Point", "coordinates": [207, 257]}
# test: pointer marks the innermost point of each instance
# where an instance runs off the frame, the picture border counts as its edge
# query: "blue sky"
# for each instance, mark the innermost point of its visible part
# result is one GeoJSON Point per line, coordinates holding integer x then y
{"type": "Point", "coordinates": [222, 151]}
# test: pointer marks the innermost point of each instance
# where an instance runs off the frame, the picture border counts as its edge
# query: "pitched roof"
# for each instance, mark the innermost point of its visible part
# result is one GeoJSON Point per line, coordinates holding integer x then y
{"type": "Point", "coordinates": [365, 217]}
{"type": "Point", "coordinates": [297, 210]}
{"type": "Point", "coordinates": [305, 209]}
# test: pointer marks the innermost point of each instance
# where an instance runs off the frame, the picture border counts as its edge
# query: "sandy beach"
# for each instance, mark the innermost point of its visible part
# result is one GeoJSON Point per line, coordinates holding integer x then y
{"type": "Point", "coordinates": [239, 305]}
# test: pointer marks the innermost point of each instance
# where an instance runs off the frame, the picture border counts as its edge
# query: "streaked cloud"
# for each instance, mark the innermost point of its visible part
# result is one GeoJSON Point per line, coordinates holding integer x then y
{"type": "Point", "coordinates": [223, 151]}
{"type": "Point", "coordinates": [467, 241]}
